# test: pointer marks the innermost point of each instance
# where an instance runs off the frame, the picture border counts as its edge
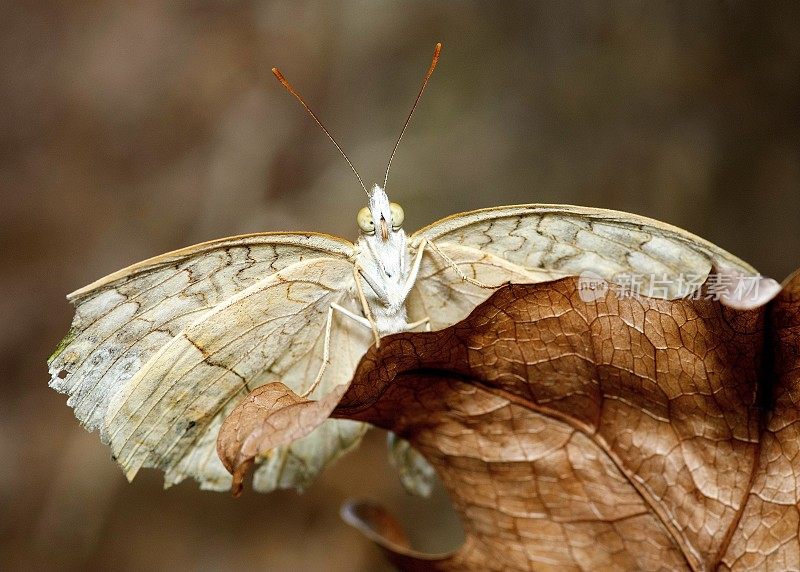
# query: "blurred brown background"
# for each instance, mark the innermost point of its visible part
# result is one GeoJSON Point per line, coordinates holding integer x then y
{"type": "Point", "coordinates": [130, 130]}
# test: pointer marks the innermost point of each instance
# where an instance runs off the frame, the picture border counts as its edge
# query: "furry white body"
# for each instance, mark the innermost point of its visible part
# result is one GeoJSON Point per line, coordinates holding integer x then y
{"type": "Point", "coordinates": [383, 262]}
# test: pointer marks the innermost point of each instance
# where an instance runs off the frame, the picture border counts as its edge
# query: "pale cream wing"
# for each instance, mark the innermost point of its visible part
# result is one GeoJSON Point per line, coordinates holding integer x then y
{"type": "Point", "coordinates": [168, 415]}
{"type": "Point", "coordinates": [296, 465]}
{"type": "Point", "coordinates": [441, 295]}
{"type": "Point", "coordinates": [416, 474]}
{"type": "Point", "coordinates": [123, 319]}
{"type": "Point", "coordinates": [571, 240]}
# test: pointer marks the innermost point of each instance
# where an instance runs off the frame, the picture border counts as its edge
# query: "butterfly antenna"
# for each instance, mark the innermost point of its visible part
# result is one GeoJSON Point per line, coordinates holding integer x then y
{"type": "Point", "coordinates": [276, 72]}
{"type": "Point", "coordinates": [436, 51]}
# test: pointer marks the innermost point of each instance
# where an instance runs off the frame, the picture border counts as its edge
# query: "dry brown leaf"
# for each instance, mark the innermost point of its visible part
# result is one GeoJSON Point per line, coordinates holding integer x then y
{"type": "Point", "coordinates": [623, 433]}
{"type": "Point", "coordinates": [768, 536]}
{"type": "Point", "coordinates": [247, 432]}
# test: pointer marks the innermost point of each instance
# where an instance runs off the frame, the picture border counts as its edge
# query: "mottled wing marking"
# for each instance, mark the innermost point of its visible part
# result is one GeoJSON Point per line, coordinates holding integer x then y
{"type": "Point", "coordinates": [296, 465]}
{"type": "Point", "coordinates": [169, 413]}
{"type": "Point", "coordinates": [441, 295]}
{"type": "Point", "coordinates": [123, 319]}
{"type": "Point", "coordinates": [571, 240]}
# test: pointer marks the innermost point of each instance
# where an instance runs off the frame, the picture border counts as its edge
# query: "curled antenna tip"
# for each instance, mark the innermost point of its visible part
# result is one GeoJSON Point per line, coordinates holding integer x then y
{"type": "Point", "coordinates": [277, 73]}
{"type": "Point", "coordinates": [436, 51]}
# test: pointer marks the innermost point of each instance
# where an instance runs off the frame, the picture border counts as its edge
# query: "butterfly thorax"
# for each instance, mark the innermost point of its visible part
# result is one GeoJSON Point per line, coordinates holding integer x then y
{"type": "Point", "coordinates": [382, 256]}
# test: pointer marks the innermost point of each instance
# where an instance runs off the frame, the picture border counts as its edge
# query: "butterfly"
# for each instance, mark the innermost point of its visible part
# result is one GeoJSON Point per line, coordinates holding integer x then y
{"type": "Point", "coordinates": [160, 352]}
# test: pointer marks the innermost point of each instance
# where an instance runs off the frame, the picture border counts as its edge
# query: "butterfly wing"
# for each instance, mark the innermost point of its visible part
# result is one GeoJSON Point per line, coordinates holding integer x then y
{"type": "Point", "coordinates": [570, 240]}
{"type": "Point", "coordinates": [129, 318]}
{"type": "Point", "coordinates": [123, 319]}
{"type": "Point", "coordinates": [169, 414]}
{"type": "Point", "coordinates": [442, 296]}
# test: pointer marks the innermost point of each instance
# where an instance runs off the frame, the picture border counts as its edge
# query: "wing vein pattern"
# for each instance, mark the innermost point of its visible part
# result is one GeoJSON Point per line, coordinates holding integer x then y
{"type": "Point", "coordinates": [159, 351]}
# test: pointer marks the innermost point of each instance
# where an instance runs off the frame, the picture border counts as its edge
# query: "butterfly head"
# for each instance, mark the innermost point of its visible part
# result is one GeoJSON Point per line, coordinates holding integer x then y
{"type": "Point", "coordinates": [380, 218]}
{"type": "Point", "coordinates": [383, 246]}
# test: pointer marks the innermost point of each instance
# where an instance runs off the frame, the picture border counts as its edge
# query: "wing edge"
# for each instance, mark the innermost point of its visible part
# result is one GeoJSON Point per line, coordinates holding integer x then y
{"type": "Point", "coordinates": [446, 224]}
{"type": "Point", "coordinates": [170, 257]}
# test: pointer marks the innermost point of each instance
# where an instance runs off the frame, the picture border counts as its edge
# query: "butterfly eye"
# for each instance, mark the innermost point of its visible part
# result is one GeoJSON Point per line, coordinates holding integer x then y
{"type": "Point", "coordinates": [397, 215]}
{"type": "Point", "coordinates": [365, 222]}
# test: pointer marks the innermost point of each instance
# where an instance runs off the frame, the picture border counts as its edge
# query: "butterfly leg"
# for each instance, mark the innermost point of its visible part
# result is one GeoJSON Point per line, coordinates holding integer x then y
{"type": "Point", "coordinates": [326, 354]}
{"type": "Point", "coordinates": [426, 320]}
{"type": "Point", "coordinates": [410, 281]}
{"type": "Point", "coordinates": [455, 267]}
{"type": "Point", "coordinates": [412, 277]}
{"type": "Point", "coordinates": [353, 316]}
{"type": "Point", "coordinates": [357, 275]}
{"type": "Point", "coordinates": [326, 347]}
